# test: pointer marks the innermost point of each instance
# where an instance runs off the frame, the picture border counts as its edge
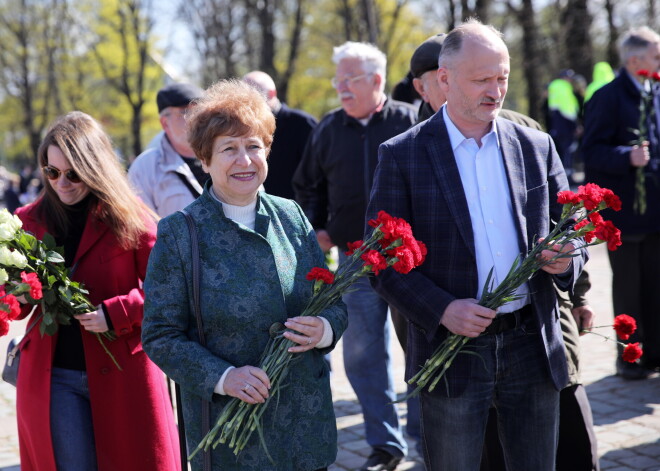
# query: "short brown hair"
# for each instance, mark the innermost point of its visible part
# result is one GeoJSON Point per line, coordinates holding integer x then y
{"type": "Point", "coordinates": [228, 108]}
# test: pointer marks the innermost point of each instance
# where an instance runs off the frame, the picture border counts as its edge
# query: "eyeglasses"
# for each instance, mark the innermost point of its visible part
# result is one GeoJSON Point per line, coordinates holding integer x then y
{"type": "Point", "coordinates": [347, 80]}
{"type": "Point", "coordinates": [53, 173]}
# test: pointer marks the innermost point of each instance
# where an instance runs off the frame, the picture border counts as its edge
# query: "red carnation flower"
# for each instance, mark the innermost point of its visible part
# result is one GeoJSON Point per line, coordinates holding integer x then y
{"type": "Point", "coordinates": [35, 285]}
{"type": "Point", "coordinates": [591, 195]}
{"type": "Point", "coordinates": [382, 218]}
{"type": "Point", "coordinates": [4, 327]}
{"type": "Point", "coordinates": [596, 218]}
{"type": "Point", "coordinates": [632, 352]}
{"type": "Point", "coordinates": [608, 232]}
{"type": "Point", "coordinates": [625, 326]}
{"type": "Point", "coordinates": [656, 76]}
{"type": "Point", "coordinates": [375, 260]}
{"type": "Point", "coordinates": [611, 200]}
{"type": "Point", "coordinates": [321, 274]}
{"type": "Point", "coordinates": [568, 197]}
{"type": "Point", "coordinates": [589, 235]}
{"type": "Point", "coordinates": [405, 260]}
{"type": "Point", "coordinates": [9, 305]}
{"type": "Point", "coordinates": [353, 246]}
{"type": "Point", "coordinates": [643, 73]}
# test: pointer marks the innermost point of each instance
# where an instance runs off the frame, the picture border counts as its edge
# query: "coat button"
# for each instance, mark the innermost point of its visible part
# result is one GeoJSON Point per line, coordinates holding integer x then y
{"type": "Point", "coordinates": [105, 371]}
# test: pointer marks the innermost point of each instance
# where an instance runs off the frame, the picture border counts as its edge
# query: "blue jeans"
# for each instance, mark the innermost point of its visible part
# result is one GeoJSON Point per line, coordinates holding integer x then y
{"type": "Point", "coordinates": [511, 374]}
{"type": "Point", "coordinates": [367, 361]}
{"type": "Point", "coordinates": [71, 421]}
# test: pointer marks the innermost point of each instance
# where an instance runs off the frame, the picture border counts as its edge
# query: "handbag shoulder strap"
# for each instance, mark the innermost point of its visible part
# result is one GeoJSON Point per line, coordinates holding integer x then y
{"type": "Point", "coordinates": [194, 245]}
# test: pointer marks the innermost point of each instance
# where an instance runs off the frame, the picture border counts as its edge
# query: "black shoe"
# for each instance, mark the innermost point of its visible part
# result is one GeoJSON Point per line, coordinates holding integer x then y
{"type": "Point", "coordinates": [380, 460]}
{"type": "Point", "coordinates": [631, 371]}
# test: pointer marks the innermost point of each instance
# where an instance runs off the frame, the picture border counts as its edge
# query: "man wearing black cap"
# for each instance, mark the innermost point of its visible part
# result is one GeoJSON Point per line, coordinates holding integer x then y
{"type": "Point", "coordinates": [424, 68]}
{"type": "Point", "coordinates": [169, 177]}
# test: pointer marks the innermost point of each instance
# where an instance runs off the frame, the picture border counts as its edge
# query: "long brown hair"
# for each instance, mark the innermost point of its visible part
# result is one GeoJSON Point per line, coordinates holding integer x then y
{"type": "Point", "coordinates": [89, 152]}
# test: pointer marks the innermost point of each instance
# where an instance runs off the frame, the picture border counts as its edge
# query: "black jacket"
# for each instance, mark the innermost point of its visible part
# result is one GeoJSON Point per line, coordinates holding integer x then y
{"type": "Point", "coordinates": [610, 115]}
{"type": "Point", "coordinates": [292, 130]}
{"type": "Point", "coordinates": [333, 181]}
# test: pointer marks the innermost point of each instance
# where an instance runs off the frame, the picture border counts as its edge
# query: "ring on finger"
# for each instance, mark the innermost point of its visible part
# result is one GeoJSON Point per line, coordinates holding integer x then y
{"type": "Point", "coordinates": [246, 387]}
{"type": "Point", "coordinates": [309, 341]}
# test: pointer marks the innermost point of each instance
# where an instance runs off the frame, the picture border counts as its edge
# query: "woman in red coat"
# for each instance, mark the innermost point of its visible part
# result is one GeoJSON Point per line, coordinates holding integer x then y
{"type": "Point", "coordinates": [75, 409]}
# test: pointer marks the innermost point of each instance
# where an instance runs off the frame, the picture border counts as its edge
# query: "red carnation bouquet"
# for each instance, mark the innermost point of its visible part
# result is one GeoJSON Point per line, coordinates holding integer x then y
{"type": "Point", "coordinates": [624, 326]}
{"type": "Point", "coordinates": [646, 108]}
{"type": "Point", "coordinates": [391, 245]}
{"type": "Point", "coordinates": [580, 218]}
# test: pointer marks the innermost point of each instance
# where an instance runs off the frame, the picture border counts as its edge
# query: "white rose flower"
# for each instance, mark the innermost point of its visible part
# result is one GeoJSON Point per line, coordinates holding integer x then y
{"type": "Point", "coordinates": [18, 259]}
{"type": "Point", "coordinates": [5, 256]}
{"type": "Point", "coordinates": [3, 276]}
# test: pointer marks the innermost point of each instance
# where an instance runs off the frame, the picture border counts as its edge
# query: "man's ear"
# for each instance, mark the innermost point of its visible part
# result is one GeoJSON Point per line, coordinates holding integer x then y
{"type": "Point", "coordinates": [378, 79]}
{"type": "Point", "coordinates": [443, 77]}
{"type": "Point", "coordinates": [163, 122]}
{"type": "Point", "coordinates": [419, 87]}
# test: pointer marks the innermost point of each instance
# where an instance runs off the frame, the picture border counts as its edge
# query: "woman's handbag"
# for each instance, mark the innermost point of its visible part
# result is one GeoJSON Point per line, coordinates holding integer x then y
{"type": "Point", "coordinates": [206, 405]}
{"type": "Point", "coordinates": [10, 368]}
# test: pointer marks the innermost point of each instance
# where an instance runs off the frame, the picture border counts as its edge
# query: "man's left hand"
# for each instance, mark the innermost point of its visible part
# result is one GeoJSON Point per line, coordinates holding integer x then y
{"type": "Point", "coordinates": [584, 318]}
{"type": "Point", "coordinates": [559, 265]}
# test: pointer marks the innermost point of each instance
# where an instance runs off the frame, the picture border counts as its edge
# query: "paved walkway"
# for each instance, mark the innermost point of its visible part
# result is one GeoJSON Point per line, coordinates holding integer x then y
{"type": "Point", "coordinates": [626, 414]}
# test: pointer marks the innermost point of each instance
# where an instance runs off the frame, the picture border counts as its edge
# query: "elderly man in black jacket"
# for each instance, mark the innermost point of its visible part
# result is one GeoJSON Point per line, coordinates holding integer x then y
{"type": "Point", "coordinates": [611, 161]}
{"type": "Point", "coordinates": [332, 184]}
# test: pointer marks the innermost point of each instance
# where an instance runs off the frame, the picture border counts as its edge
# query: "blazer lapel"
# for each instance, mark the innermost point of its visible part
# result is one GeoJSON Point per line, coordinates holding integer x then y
{"type": "Point", "coordinates": [438, 146]}
{"type": "Point", "coordinates": [514, 163]}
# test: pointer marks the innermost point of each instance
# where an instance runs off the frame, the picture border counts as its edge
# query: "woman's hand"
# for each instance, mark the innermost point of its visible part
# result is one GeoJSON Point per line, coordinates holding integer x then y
{"type": "Point", "coordinates": [93, 321]}
{"type": "Point", "coordinates": [309, 332]}
{"type": "Point", "coordinates": [247, 383]}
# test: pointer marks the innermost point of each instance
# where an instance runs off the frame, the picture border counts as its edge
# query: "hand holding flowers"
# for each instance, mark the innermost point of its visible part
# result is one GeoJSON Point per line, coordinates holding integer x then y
{"type": "Point", "coordinates": [391, 245]}
{"type": "Point", "coordinates": [580, 218]}
{"type": "Point", "coordinates": [33, 271]}
{"type": "Point", "coordinates": [639, 156]}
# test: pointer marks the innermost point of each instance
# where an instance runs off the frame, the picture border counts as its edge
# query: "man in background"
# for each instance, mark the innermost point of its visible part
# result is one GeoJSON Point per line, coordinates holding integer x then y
{"type": "Point", "coordinates": [612, 161]}
{"type": "Point", "coordinates": [292, 128]}
{"type": "Point", "coordinates": [332, 185]}
{"type": "Point", "coordinates": [168, 177]}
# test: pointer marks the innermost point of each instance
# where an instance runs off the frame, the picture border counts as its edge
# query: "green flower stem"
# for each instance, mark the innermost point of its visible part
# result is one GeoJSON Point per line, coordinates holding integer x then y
{"type": "Point", "coordinates": [239, 420]}
{"type": "Point", "coordinates": [605, 337]}
{"type": "Point", "coordinates": [521, 271]}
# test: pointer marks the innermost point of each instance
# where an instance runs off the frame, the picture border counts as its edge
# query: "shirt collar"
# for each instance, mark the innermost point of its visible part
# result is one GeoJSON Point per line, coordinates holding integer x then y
{"type": "Point", "coordinates": [456, 137]}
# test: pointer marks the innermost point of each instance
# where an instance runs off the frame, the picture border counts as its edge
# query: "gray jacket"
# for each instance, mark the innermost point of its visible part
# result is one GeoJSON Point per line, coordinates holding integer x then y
{"type": "Point", "coordinates": [156, 176]}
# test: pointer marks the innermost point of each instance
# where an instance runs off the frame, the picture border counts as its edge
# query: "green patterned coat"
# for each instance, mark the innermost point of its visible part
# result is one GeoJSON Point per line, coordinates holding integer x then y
{"type": "Point", "coordinates": [249, 280]}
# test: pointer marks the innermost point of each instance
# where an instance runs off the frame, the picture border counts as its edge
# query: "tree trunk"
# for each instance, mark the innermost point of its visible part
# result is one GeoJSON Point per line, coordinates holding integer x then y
{"type": "Point", "coordinates": [577, 41]}
{"type": "Point", "coordinates": [612, 50]}
{"type": "Point", "coordinates": [531, 57]}
{"type": "Point", "coordinates": [283, 86]}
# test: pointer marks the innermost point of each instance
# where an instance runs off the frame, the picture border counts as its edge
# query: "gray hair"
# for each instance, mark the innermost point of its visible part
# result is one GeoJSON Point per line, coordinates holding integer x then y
{"type": "Point", "coordinates": [636, 41]}
{"type": "Point", "coordinates": [453, 42]}
{"type": "Point", "coordinates": [372, 58]}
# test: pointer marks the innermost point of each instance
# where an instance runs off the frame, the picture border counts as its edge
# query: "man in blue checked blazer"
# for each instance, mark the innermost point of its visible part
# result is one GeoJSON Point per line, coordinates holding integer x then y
{"type": "Point", "coordinates": [478, 191]}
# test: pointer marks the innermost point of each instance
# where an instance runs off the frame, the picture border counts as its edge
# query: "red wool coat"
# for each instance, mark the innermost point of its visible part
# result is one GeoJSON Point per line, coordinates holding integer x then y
{"type": "Point", "coordinates": [134, 426]}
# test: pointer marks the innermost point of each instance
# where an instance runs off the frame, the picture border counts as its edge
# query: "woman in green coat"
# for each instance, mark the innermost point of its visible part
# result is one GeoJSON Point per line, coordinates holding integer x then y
{"type": "Point", "coordinates": [255, 251]}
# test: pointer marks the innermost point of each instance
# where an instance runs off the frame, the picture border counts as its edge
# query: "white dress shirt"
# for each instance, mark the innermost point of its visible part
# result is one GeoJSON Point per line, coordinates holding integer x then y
{"type": "Point", "coordinates": [486, 188]}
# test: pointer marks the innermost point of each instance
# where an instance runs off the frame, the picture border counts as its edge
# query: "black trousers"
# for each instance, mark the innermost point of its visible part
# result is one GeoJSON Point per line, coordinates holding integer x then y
{"type": "Point", "coordinates": [636, 290]}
